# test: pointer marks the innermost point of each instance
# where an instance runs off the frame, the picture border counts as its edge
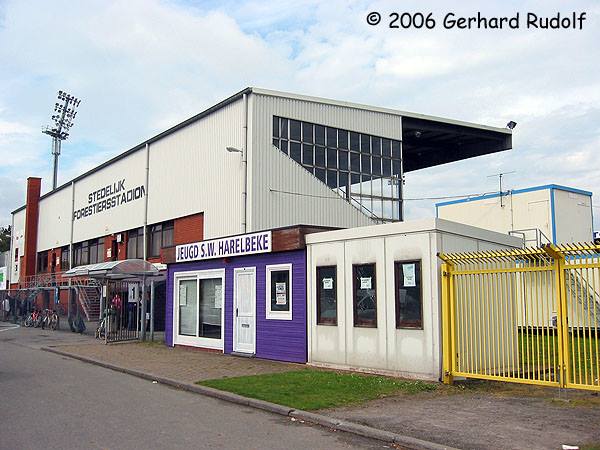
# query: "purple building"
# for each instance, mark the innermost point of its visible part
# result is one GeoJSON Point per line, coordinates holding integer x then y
{"type": "Point", "coordinates": [243, 294]}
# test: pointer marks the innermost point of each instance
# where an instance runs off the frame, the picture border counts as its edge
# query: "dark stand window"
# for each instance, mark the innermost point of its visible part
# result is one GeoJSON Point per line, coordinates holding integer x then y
{"type": "Point", "coordinates": [42, 262]}
{"type": "Point", "coordinates": [64, 259]}
{"type": "Point", "coordinates": [365, 295]}
{"type": "Point", "coordinates": [161, 235]}
{"type": "Point", "coordinates": [409, 296]}
{"type": "Point", "coordinates": [135, 243]}
{"type": "Point", "coordinates": [326, 295]}
{"type": "Point", "coordinates": [342, 153]}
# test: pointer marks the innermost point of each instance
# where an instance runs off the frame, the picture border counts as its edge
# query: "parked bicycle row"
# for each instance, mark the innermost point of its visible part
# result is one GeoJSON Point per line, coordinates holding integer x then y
{"type": "Point", "coordinates": [46, 318]}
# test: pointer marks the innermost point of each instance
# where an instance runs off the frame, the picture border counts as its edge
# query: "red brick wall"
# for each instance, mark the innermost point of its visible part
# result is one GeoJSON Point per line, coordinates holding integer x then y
{"type": "Point", "coordinates": [188, 229]}
{"type": "Point", "coordinates": [122, 247]}
{"type": "Point", "coordinates": [34, 187]}
{"type": "Point", "coordinates": [108, 240]}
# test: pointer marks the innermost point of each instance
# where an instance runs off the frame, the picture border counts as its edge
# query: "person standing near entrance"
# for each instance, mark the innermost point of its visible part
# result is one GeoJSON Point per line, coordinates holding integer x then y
{"type": "Point", "coordinates": [6, 307]}
{"type": "Point", "coordinates": [116, 306]}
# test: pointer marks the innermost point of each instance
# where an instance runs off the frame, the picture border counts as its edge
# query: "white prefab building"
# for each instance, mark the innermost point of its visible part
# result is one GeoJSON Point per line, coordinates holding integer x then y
{"type": "Point", "coordinates": [540, 215]}
{"type": "Point", "coordinates": [374, 294]}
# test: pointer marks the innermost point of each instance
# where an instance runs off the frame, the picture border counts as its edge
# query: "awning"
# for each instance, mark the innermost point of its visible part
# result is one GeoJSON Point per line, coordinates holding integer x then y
{"type": "Point", "coordinates": [427, 142]}
{"type": "Point", "coordinates": [116, 270]}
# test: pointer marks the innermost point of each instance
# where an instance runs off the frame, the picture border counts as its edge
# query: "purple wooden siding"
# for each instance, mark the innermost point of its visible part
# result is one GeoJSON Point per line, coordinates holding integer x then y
{"type": "Point", "coordinates": [283, 340]}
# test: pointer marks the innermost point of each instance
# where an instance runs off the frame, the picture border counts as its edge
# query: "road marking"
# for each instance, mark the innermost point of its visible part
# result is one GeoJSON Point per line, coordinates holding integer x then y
{"type": "Point", "coordinates": [10, 328]}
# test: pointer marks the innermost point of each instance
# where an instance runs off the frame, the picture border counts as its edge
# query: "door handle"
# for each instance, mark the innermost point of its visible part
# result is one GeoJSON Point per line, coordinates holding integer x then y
{"type": "Point", "coordinates": [236, 312]}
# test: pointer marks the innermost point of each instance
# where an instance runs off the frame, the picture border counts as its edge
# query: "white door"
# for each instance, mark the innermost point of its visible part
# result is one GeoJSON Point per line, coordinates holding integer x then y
{"type": "Point", "coordinates": [244, 310]}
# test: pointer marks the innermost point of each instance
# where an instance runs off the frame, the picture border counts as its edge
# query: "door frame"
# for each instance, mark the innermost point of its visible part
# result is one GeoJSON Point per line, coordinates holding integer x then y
{"type": "Point", "coordinates": [236, 271]}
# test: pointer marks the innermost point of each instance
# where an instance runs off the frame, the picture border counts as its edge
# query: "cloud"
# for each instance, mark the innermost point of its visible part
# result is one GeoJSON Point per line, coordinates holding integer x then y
{"type": "Point", "coordinates": [142, 66]}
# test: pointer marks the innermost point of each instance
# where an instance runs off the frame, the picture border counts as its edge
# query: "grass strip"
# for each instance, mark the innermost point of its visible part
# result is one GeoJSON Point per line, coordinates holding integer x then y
{"type": "Point", "coordinates": [311, 389]}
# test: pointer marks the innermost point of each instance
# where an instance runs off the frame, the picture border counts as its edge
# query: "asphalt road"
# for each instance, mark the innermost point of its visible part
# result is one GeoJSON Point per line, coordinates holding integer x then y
{"type": "Point", "coordinates": [51, 402]}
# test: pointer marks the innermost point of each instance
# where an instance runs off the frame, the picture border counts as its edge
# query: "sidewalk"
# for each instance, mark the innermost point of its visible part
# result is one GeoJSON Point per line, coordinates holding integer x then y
{"type": "Point", "coordinates": [478, 416]}
{"type": "Point", "coordinates": [181, 364]}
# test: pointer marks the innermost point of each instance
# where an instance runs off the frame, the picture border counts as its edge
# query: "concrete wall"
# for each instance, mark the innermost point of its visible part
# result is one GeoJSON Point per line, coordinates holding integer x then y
{"type": "Point", "coordinates": [406, 352]}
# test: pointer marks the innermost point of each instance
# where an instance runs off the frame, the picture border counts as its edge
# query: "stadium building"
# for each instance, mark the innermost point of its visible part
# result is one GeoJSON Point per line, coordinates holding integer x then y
{"type": "Point", "coordinates": [258, 160]}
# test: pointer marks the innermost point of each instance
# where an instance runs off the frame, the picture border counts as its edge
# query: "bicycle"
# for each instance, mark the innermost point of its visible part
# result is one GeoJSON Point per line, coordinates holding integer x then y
{"type": "Point", "coordinates": [50, 319]}
{"type": "Point", "coordinates": [101, 329]}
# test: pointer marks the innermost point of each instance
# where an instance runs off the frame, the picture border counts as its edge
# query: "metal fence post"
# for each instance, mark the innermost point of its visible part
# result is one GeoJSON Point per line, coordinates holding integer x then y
{"type": "Point", "coordinates": [562, 328]}
{"type": "Point", "coordinates": [447, 337]}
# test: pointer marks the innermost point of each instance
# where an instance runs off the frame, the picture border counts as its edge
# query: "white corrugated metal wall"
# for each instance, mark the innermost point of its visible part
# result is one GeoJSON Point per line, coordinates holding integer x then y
{"type": "Point", "coordinates": [268, 209]}
{"type": "Point", "coordinates": [191, 172]}
{"type": "Point", "coordinates": [54, 223]}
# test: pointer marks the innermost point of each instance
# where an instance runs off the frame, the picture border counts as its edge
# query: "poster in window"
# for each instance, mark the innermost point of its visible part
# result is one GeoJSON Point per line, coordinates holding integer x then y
{"type": "Point", "coordinates": [182, 295]}
{"type": "Point", "coordinates": [409, 275]}
{"type": "Point", "coordinates": [218, 296]}
{"type": "Point", "coordinates": [365, 283]}
{"type": "Point", "coordinates": [328, 284]}
{"type": "Point", "coordinates": [280, 293]}
{"type": "Point", "coordinates": [280, 288]}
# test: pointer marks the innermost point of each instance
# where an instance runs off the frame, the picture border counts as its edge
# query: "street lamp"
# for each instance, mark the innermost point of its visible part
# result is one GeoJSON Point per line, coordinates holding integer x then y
{"type": "Point", "coordinates": [64, 114]}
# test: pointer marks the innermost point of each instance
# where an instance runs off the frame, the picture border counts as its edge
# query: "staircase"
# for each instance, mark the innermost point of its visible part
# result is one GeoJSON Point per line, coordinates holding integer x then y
{"type": "Point", "coordinates": [586, 295]}
{"type": "Point", "coordinates": [88, 296]}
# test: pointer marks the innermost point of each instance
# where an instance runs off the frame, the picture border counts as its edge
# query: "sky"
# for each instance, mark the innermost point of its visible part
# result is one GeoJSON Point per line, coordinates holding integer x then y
{"type": "Point", "coordinates": [140, 67]}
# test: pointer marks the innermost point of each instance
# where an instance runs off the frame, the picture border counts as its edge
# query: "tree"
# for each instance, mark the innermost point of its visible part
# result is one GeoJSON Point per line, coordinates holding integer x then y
{"type": "Point", "coordinates": [4, 239]}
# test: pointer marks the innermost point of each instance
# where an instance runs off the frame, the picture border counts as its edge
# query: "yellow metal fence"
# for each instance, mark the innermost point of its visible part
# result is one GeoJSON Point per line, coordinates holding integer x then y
{"type": "Point", "coordinates": [523, 315]}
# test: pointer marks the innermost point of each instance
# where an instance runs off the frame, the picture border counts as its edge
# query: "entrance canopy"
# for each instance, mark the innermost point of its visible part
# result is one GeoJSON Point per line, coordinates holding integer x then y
{"type": "Point", "coordinates": [116, 270]}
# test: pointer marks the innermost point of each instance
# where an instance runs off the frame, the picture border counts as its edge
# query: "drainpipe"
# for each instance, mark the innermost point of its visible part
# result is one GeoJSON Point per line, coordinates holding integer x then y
{"type": "Point", "coordinates": [245, 166]}
{"type": "Point", "coordinates": [143, 318]}
{"type": "Point", "coordinates": [70, 296]}
{"type": "Point", "coordinates": [152, 310]}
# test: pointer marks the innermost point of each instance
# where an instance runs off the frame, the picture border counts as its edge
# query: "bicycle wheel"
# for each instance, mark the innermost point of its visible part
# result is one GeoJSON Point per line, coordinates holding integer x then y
{"type": "Point", "coordinates": [54, 322]}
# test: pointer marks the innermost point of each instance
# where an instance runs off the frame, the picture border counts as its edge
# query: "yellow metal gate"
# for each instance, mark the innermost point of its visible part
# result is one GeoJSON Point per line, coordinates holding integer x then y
{"type": "Point", "coordinates": [523, 315]}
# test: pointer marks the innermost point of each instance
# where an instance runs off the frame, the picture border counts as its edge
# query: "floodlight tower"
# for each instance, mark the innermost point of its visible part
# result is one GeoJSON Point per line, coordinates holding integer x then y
{"type": "Point", "coordinates": [64, 114]}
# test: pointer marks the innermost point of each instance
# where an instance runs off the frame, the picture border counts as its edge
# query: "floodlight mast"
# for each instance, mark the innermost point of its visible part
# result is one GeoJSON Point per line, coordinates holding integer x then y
{"type": "Point", "coordinates": [65, 113]}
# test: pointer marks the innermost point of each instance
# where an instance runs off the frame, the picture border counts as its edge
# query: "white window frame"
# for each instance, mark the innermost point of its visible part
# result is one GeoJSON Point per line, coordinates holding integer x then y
{"type": "Point", "coordinates": [195, 341]}
{"type": "Point", "coordinates": [278, 315]}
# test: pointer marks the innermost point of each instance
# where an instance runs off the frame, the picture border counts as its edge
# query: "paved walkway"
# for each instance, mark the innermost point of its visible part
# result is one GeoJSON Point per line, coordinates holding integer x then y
{"type": "Point", "coordinates": [181, 364]}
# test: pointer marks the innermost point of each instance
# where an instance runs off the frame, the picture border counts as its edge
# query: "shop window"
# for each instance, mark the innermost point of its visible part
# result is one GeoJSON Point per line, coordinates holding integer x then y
{"type": "Point", "coordinates": [199, 302]}
{"type": "Point", "coordinates": [327, 295]}
{"type": "Point", "coordinates": [209, 308]}
{"type": "Point", "coordinates": [364, 295]}
{"type": "Point", "coordinates": [409, 294]}
{"type": "Point", "coordinates": [188, 307]}
{"type": "Point", "coordinates": [279, 292]}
